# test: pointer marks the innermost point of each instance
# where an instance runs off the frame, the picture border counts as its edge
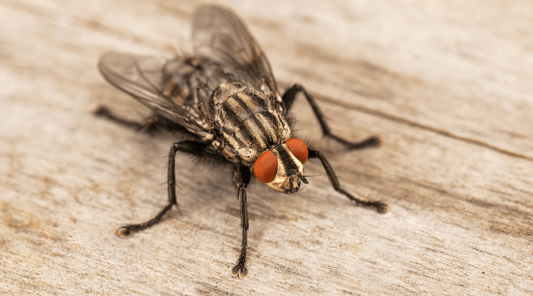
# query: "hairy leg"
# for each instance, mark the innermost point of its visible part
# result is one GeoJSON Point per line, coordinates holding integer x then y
{"type": "Point", "coordinates": [242, 179]}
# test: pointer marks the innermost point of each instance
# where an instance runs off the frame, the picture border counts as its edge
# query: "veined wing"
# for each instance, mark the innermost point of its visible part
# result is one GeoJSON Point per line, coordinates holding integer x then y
{"type": "Point", "coordinates": [142, 77]}
{"type": "Point", "coordinates": [219, 35]}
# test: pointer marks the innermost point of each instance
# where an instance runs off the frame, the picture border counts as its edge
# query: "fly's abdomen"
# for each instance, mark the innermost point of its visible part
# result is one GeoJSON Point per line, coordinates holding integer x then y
{"type": "Point", "coordinates": [248, 123]}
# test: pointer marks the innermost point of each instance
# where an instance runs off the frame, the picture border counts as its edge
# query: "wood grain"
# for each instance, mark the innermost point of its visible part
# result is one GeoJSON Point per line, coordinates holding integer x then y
{"type": "Point", "coordinates": [447, 85]}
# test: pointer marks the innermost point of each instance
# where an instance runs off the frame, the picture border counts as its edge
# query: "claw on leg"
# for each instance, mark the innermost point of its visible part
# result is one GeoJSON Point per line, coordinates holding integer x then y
{"type": "Point", "coordinates": [240, 269]}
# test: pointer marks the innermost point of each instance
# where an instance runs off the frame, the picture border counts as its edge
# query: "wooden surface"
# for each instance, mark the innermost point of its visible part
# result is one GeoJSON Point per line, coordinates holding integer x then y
{"type": "Point", "coordinates": [447, 85]}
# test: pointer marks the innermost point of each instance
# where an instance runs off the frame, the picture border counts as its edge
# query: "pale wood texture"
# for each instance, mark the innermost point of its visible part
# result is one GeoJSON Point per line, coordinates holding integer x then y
{"type": "Point", "coordinates": [447, 85]}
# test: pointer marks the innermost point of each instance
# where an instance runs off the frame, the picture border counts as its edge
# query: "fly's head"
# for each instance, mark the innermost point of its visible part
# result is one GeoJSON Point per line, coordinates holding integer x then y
{"type": "Point", "coordinates": [281, 167]}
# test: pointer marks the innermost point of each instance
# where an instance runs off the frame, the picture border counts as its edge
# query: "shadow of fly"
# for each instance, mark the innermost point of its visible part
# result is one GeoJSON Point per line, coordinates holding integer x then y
{"type": "Point", "coordinates": [225, 101]}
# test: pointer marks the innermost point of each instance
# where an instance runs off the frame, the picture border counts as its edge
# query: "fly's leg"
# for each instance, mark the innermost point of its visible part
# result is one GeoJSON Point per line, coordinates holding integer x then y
{"type": "Point", "coordinates": [190, 147]}
{"type": "Point", "coordinates": [379, 206]}
{"type": "Point", "coordinates": [149, 126]}
{"type": "Point", "coordinates": [240, 268]}
{"type": "Point", "coordinates": [241, 179]}
{"type": "Point", "coordinates": [288, 99]}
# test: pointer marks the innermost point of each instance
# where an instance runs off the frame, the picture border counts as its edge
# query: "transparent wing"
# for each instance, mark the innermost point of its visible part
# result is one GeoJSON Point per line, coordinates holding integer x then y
{"type": "Point", "coordinates": [218, 34]}
{"type": "Point", "coordinates": [142, 78]}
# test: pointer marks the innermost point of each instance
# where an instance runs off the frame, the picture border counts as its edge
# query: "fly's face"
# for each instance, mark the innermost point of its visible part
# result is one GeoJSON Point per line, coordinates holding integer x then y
{"type": "Point", "coordinates": [281, 168]}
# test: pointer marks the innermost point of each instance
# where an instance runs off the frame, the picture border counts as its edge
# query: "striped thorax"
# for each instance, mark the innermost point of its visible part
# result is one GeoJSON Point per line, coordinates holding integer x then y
{"type": "Point", "coordinates": [247, 123]}
{"type": "Point", "coordinates": [254, 132]}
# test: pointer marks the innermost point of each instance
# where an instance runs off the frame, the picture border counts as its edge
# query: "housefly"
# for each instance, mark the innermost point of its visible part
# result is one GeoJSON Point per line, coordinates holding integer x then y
{"type": "Point", "coordinates": [225, 101]}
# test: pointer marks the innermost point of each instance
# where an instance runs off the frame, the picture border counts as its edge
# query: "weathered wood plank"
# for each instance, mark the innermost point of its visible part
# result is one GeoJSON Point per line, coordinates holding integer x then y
{"type": "Point", "coordinates": [447, 85]}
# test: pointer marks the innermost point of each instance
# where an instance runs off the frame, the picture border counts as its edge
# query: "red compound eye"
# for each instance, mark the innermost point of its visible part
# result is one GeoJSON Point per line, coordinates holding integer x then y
{"type": "Point", "coordinates": [298, 149]}
{"type": "Point", "coordinates": [265, 167]}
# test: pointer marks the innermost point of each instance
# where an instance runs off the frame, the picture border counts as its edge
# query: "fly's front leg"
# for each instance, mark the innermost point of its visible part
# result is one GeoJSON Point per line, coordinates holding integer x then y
{"type": "Point", "coordinates": [190, 147]}
{"type": "Point", "coordinates": [242, 179]}
{"type": "Point", "coordinates": [288, 99]}
{"type": "Point", "coordinates": [379, 206]}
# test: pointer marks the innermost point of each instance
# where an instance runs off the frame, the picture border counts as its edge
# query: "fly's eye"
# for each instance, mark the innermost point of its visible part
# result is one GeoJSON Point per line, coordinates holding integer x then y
{"type": "Point", "coordinates": [298, 149]}
{"type": "Point", "coordinates": [265, 167]}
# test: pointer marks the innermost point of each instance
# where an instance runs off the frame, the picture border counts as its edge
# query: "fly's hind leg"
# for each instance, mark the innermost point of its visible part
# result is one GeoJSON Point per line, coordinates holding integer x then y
{"type": "Point", "coordinates": [149, 125]}
{"type": "Point", "coordinates": [288, 99]}
{"type": "Point", "coordinates": [190, 147]}
{"type": "Point", "coordinates": [379, 206]}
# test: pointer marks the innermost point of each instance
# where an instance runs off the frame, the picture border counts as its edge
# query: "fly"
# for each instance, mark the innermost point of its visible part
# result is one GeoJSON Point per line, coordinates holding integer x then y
{"type": "Point", "coordinates": [225, 101]}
